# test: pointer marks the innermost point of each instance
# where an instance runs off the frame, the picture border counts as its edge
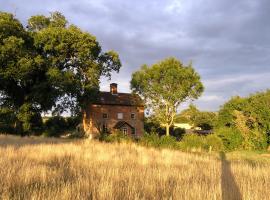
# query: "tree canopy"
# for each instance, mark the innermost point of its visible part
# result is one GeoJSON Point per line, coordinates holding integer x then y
{"type": "Point", "coordinates": [203, 119]}
{"type": "Point", "coordinates": [250, 116]}
{"type": "Point", "coordinates": [49, 65]}
{"type": "Point", "coordinates": [256, 106]}
{"type": "Point", "coordinates": [164, 86]}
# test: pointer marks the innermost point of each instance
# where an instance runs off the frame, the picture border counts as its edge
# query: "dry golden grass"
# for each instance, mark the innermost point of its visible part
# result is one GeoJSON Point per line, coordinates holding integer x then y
{"type": "Point", "coordinates": [63, 169]}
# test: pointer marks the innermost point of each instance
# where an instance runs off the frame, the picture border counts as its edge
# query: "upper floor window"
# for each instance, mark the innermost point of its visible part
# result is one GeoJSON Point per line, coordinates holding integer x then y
{"type": "Point", "coordinates": [105, 116]}
{"type": "Point", "coordinates": [132, 115]}
{"type": "Point", "coordinates": [119, 115]}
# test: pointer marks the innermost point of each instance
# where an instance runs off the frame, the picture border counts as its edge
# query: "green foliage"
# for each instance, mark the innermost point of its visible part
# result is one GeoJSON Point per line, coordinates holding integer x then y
{"type": "Point", "coordinates": [150, 140]}
{"type": "Point", "coordinates": [214, 142]}
{"type": "Point", "coordinates": [153, 140]}
{"type": "Point", "coordinates": [225, 115]}
{"type": "Point", "coordinates": [232, 138]}
{"type": "Point", "coordinates": [178, 133]}
{"type": "Point", "coordinates": [38, 22]}
{"type": "Point", "coordinates": [55, 126]}
{"type": "Point", "coordinates": [73, 121]}
{"type": "Point", "coordinates": [152, 126]}
{"type": "Point", "coordinates": [30, 119]}
{"type": "Point", "coordinates": [164, 86]}
{"type": "Point", "coordinates": [77, 133]}
{"type": "Point", "coordinates": [168, 142]}
{"type": "Point", "coordinates": [250, 117]}
{"type": "Point", "coordinates": [204, 120]}
{"type": "Point", "coordinates": [7, 121]}
{"type": "Point", "coordinates": [207, 143]}
{"type": "Point", "coordinates": [258, 140]}
{"type": "Point", "coordinates": [115, 136]}
{"type": "Point", "coordinates": [192, 141]}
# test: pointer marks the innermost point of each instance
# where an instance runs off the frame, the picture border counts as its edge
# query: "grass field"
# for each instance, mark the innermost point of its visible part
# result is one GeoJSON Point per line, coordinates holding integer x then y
{"type": "Point", "coordinates": [39, 168]}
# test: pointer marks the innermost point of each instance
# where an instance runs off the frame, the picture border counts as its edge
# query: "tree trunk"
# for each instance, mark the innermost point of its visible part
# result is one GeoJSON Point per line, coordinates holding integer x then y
{"type": "Point", "coordinates": [167, 130]}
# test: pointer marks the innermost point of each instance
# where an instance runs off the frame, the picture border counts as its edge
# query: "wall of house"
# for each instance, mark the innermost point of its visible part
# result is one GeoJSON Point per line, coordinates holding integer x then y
{"type": "Point", "coordinates": [93, 118]}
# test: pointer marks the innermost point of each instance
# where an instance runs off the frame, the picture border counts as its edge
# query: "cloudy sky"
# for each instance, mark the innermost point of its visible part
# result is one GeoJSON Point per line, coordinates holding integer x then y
{"type": "Point", "coordinates": [228, 41]}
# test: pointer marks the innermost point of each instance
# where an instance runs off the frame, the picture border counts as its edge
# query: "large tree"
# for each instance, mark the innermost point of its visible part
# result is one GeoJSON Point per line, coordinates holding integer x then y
{"type": "Point", "coordinates": [164, 86]}
{"type": "Point", "coordinates": [49, 65]}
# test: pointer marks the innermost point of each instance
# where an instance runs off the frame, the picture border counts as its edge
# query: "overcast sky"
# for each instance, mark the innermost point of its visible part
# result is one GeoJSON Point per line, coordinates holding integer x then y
{"type": "Point", "coordinates": [228, 41]}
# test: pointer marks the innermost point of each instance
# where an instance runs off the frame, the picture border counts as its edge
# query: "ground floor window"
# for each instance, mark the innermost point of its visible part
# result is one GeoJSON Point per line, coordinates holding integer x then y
{"type": "Point", "coordinates": [105, 128]}
{"type": "Point", "coordinates": [124, 130]}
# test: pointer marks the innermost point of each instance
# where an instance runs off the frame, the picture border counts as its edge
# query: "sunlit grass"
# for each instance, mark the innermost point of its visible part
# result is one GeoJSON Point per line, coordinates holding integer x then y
{"type": "Point", "coordinates": [67, 169]}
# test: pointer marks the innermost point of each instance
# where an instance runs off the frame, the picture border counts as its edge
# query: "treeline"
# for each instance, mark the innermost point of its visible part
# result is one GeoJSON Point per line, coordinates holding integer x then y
{"type": "Point", "coordinates": [242, 123]}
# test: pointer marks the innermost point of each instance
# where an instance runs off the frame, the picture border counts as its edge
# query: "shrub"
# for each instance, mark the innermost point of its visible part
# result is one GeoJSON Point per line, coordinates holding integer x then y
{"type": "Point", "coordinates": [150, 140]}
{"type": "Point", "coordinates": [231, 138]}
{"type": "Point", "coordinates": [153, 140]}
{"type": "Point", "coordinates": [77, 133]}
{"type": "Point", "coordinates": [214, 142]}
{"type": "Point", "coordinates": [192, 141]}
{"type": "Point", "coordinates": [258, 140]}
{"type": "Point", "coordinates": [55, 126]}
{"type": "Point", "coordinates": [73, 122]}
{"type": "Point", "coordinates": [30, 120]}
{"type": "Point", "coordinates": [178, 133]}
{"type": "Point", "coordinates": [168, 142]}
{"type": "Point", "coordinates": [115, 136]}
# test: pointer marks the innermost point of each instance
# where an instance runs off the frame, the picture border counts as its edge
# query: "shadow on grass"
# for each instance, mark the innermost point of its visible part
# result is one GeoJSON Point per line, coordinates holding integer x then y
{"type": "Point", "coordinates": [17, 141]}
{"type": "Point", "coordinates": [230, 190]}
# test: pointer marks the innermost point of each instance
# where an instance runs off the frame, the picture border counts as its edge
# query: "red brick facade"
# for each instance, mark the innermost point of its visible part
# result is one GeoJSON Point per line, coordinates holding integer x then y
{"type": "Point", "coordinates": [115, 111]}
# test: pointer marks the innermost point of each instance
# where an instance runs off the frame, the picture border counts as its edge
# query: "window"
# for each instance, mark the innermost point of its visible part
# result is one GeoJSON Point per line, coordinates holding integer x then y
{"type": "Point", "coordinates": [105, 116]}
{"type": "Point", "coordinates": [124, 130]}
{"type": "Point", "coordinates": [132, 116]}
{"type": "Point", "coordinates": [133, 131]}
{"type": "Point", "coordinates": [104, 128]}
{"type": "Point", "coordinates": [119, 115]}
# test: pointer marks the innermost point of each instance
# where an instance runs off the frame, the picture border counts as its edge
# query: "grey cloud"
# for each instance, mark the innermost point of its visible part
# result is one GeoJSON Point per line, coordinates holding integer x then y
{"type": "Point", "coordinates": [227, 40]}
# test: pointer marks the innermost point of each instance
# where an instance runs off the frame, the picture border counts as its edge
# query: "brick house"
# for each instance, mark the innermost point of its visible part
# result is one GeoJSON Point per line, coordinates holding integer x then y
{"type": "Point", "coordinates": [113, 110]}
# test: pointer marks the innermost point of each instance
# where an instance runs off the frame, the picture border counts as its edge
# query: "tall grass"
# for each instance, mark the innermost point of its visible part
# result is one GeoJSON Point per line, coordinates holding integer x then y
{"type": "Point", "coordinates": [61, 169]}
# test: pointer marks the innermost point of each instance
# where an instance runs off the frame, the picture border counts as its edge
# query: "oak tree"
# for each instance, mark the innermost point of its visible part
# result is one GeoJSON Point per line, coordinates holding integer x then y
{"type": "Point", "coordinates": [49, 65]}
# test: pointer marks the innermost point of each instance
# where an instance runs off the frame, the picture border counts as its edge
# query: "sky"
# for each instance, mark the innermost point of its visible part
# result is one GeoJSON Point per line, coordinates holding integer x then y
{"type": "Point", "coordinates": [227, 41]}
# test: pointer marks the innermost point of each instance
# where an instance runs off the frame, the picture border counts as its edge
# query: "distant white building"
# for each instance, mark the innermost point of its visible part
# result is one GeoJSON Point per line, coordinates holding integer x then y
{"type": "Point", "coordinates": [186, 126]}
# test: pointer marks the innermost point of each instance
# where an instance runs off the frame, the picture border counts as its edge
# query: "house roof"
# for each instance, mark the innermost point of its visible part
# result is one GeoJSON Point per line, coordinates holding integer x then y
{"type": "Point", "coordinates": [127, 99]}
{"type": "Point", "coordinates": [120, 124]}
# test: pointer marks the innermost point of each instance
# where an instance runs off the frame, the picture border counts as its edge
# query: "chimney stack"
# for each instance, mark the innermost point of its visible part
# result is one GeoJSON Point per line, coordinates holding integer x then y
{"type": "Point", "coordinates": [113, 88]}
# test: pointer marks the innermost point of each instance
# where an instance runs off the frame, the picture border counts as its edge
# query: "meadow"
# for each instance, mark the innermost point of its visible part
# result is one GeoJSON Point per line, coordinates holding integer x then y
{"type": "Point", "coordinates": [46, 168]}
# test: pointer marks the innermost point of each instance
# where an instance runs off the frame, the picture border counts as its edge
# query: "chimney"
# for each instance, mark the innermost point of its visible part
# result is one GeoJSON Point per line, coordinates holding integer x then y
{"type": "Point", "coordinates": [113, 88]}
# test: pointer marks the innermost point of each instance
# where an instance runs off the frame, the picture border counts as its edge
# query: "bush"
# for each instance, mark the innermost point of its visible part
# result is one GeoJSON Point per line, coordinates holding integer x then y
{"type": "Point", "coordinates": [258, 140]}
{"type": "Point", "coordinates": [178, 133]}
{"type": "Point", "coordinates": [55, 126]}
{"type": "Point", "coordinates": [192, 141]}
{"type": "Point", "coordinates": [153, 140]}
{"type": "Point", "coordinates": [73, 122]}
{"type": "Point", "coordinates": [168, 142]}
{"type": "Point", "coordinates": [151, 126]}
{"type": "Point", "coordinates": [231, 138]}
{"type": "Point", "coordinates": [30, 120]}
{"type": "Point", "coordinates": [115, 136]}
{"type": "Point", "coordinates": [78, 132]}
{"type": "Point", "coordinates": [214, 142]}
{"type": "Point", "coordinates": [150, 140]}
